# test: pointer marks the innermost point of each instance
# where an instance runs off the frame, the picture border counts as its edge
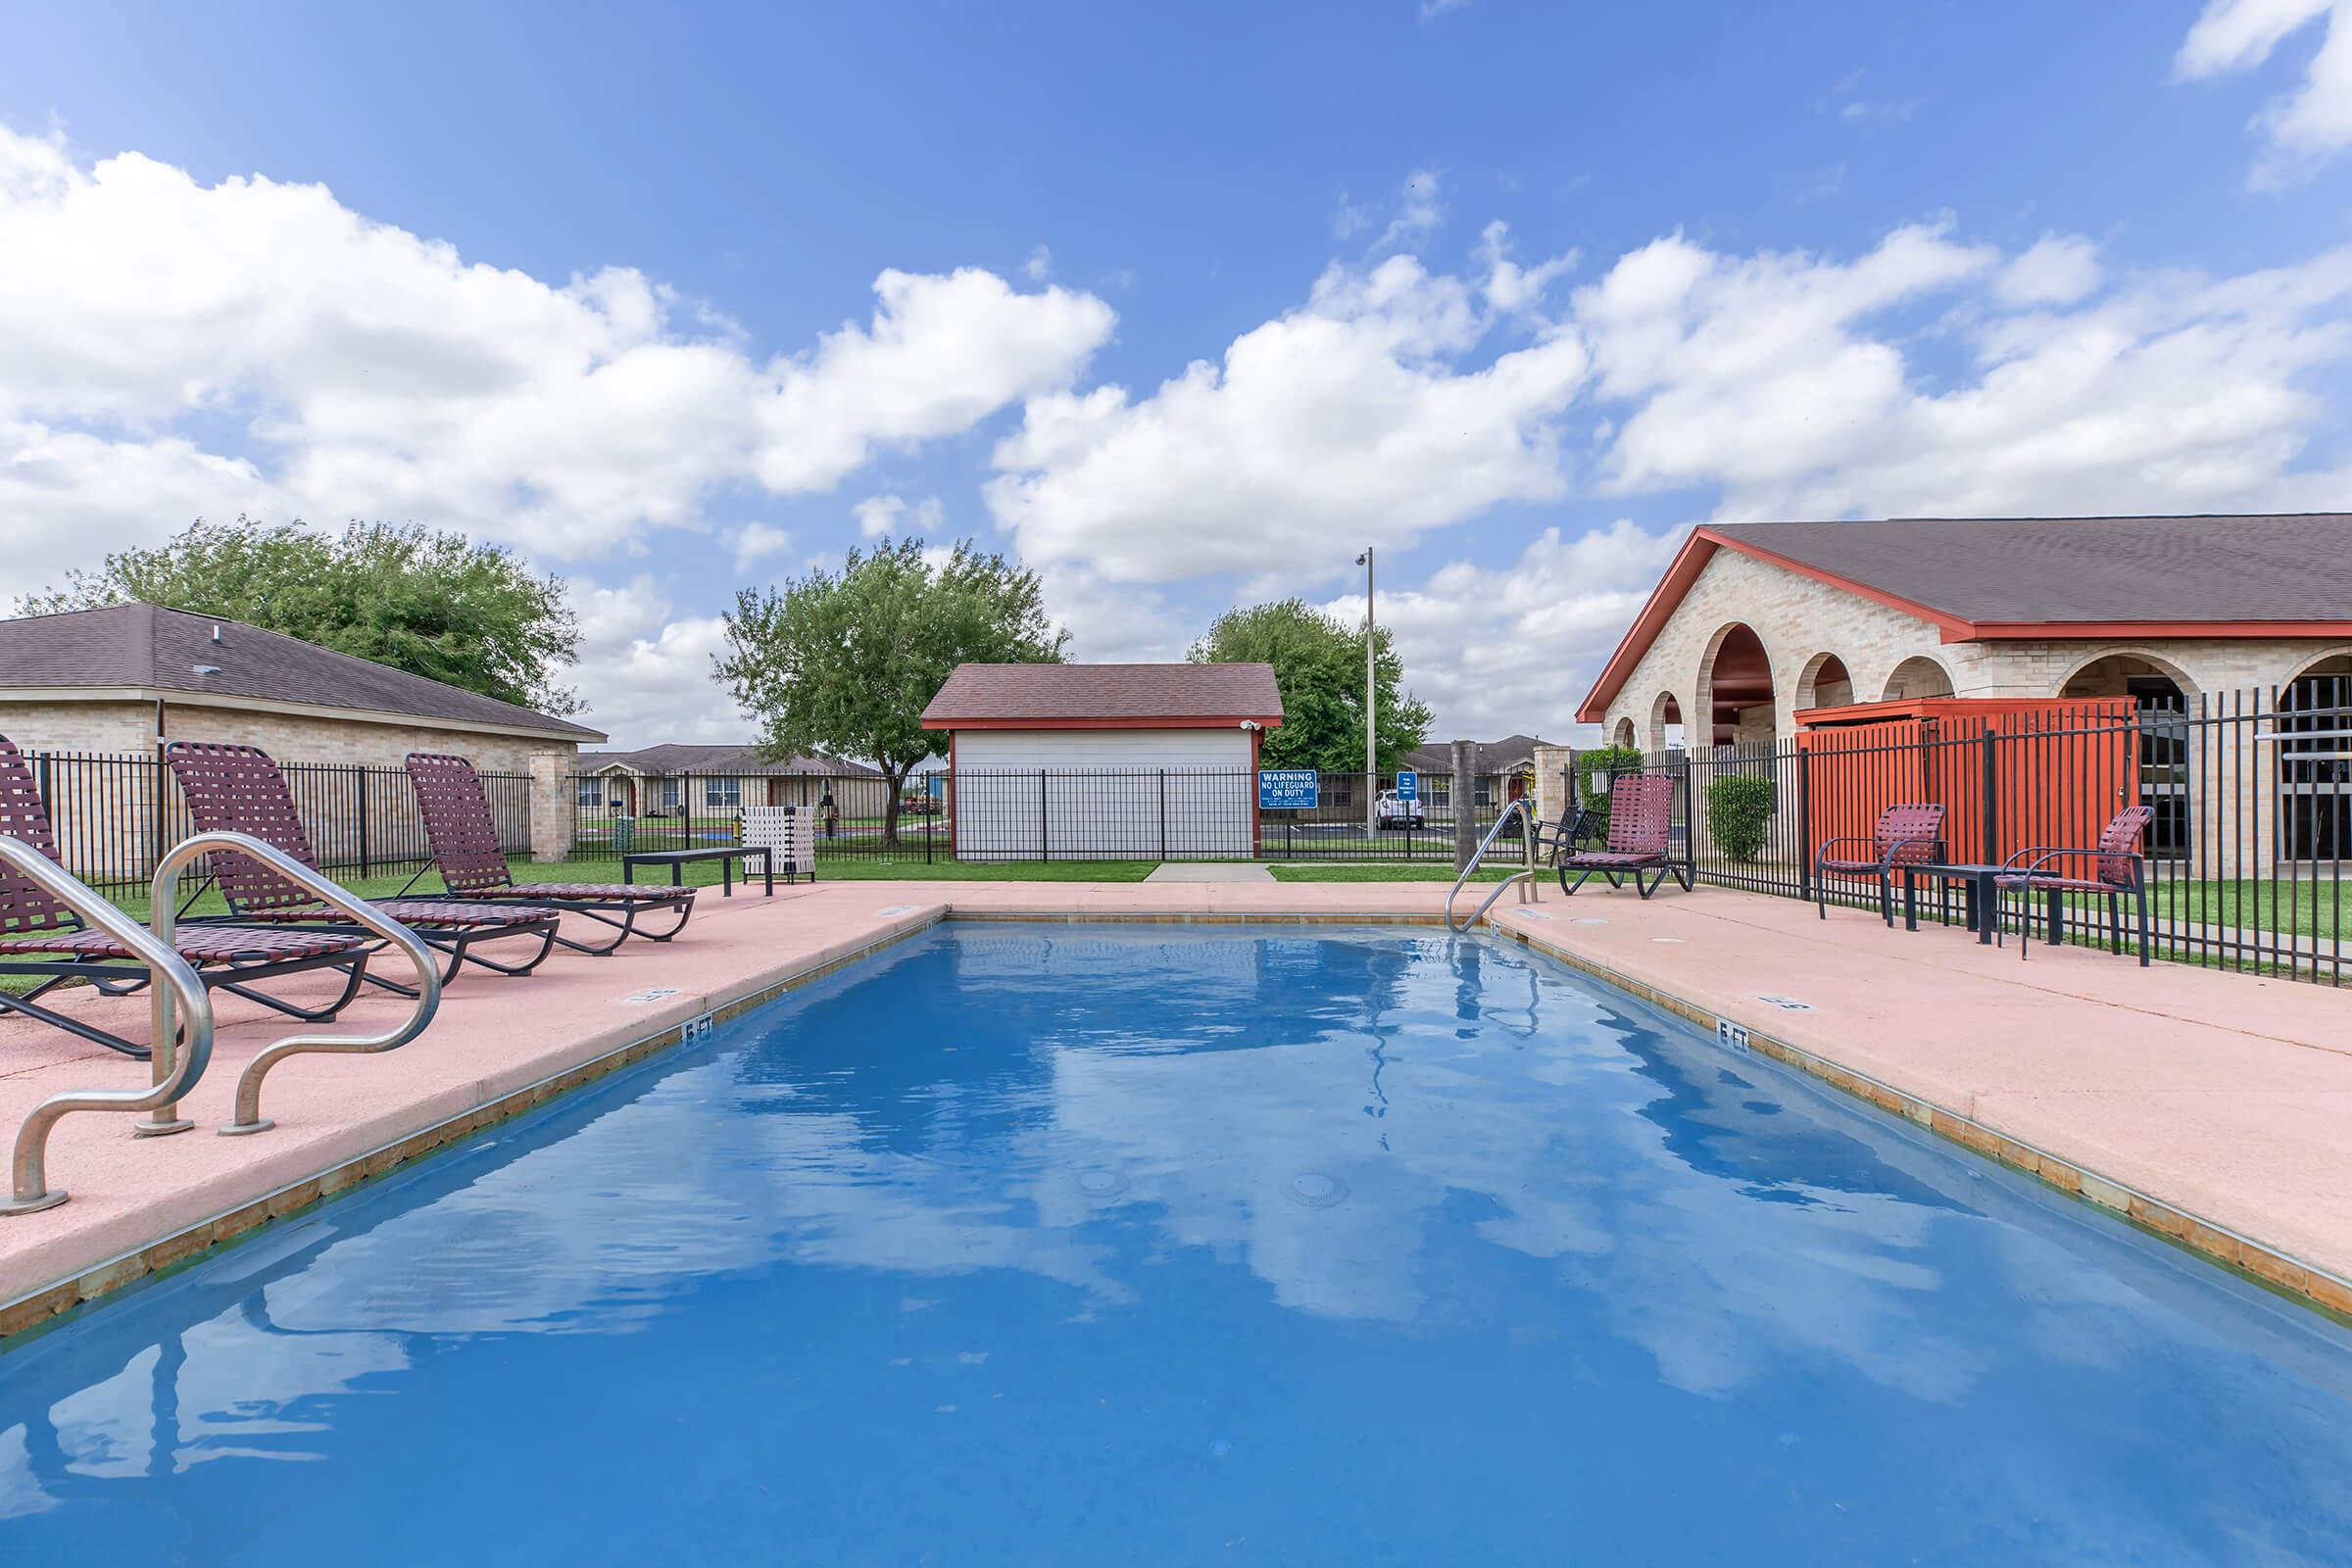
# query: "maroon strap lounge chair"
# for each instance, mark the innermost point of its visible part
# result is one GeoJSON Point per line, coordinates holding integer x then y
{"type": "Point", "coordinates": [40, 939]}
{"type": "Point", "coordinates": [1641, 839]}
{"type": "Point", "coordinates": [238, 789]}
{"type": "Point", "coordinates": [2112, 870]}
{"type": "Point", "coordinates": [1906, 835]}
{"type": "Point", "coordinates": [474, 863]}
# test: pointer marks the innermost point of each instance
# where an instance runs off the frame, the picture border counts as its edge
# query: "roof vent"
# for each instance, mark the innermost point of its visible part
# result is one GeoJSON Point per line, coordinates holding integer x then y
{"type": "Point", "coordinates": [215, 631]}
{"type": "Point", "coordinates": [206, 669]}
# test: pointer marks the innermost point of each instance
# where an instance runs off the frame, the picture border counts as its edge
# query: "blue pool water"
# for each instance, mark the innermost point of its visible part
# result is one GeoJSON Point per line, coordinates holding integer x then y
{"type": "Point", "coordinates": [1067, 1245]}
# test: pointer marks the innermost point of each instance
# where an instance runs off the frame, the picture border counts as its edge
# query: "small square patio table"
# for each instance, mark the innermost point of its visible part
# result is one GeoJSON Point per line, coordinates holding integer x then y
{"type": "Point", "coordinates": [725, 855]}
{"type": "Point", "coordinates": [1977, 878]}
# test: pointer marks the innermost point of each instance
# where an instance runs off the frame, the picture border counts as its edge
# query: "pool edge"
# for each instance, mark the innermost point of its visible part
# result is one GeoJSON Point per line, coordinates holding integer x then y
{"type": "Point", "coordinates": [49, 1305]}
{"type": "Point", "coordinates": [2293, 1279]}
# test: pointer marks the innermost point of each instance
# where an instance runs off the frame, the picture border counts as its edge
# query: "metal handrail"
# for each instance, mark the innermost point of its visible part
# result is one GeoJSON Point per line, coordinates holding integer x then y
{"type": "Point", "coordinates": [173, 980]}
{"type": "Point", "coordinates": [248, 1115]}
{"type": "Point", "coordinates": [1522, 881]}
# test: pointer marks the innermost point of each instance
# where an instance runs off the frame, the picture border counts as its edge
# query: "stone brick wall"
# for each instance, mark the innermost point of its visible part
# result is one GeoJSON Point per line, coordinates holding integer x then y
{"type": "Point", "coordinates": [108, 821]}
{"type": "Point", "coordinates": [1797, 620]}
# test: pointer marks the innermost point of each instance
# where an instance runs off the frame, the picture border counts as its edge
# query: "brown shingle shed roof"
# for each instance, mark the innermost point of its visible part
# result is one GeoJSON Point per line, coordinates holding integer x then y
{"type": "Point", "coordinates": [141, 648]}
{"type": "Point", "coordinates": [1104, 696]}
{"type": "Point", "coordinates": [1987, 578]}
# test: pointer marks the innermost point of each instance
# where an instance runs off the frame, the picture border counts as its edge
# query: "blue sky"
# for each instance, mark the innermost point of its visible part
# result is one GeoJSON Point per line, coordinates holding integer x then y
{"type": "Point", "coordinates": [603, 284]}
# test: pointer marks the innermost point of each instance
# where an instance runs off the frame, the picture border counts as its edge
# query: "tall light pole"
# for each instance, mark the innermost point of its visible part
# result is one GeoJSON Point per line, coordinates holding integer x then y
{"type": "Point", "coordinates": [1371, 713]}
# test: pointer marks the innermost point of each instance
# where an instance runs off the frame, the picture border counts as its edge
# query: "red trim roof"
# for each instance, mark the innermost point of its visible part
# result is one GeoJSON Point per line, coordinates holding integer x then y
{"type": "Point", "coordinates": [1183, 695]}
{"type": "Point", "coordinates": [2301, 533]}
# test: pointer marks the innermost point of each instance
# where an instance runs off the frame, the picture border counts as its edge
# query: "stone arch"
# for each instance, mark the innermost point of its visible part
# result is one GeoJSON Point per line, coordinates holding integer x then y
{"type": "Point", "coordinates": [2314, 783]}
{"type": "Point", "coordinates": [1666, 733]}
{"type": "Point", "coordinates": [1622, 735]}
{"type": "Point", "coordinates": [1735, 685]}
{"type": "Point", "coordinates": [2107, 672]}
{"type": "Point", "coordinates": [1824, 682]}
{"type": "Point", "coordinates": [1916, 677]}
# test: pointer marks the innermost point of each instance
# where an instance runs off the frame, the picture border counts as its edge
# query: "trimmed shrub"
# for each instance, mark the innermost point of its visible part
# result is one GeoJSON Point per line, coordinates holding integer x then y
{"type": "Point", "coordinates": [1739, 806]}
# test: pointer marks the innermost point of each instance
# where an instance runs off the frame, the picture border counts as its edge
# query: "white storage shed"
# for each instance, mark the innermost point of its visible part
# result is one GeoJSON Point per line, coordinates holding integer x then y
{"type": "Point", "coordinates": [1103, 761]}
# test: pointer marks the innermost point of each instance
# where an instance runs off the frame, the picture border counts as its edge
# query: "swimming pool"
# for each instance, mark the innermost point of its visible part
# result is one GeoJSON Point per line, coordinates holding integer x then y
{"type": "Point", "coordinates": [1048, 1243]}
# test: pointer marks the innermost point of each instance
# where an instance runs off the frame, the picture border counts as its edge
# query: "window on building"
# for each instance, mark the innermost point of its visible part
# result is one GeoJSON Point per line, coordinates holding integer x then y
{"type": "Point", "coordinates": [669, 793]}
{"type": "Point", "coordinates": [723, 792]}
{"type": "Point", "coordinates": [591, 793]}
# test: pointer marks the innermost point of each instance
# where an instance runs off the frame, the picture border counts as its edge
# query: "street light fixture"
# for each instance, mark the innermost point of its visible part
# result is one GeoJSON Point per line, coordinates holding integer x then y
{"type": "Point", "coordinates": [1371, 716]}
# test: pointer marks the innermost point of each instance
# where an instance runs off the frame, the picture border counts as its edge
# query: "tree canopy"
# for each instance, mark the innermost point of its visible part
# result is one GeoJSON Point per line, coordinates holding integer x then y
{"type": "Point", "coordinates": [434, 604]}
{"type": "Point", "coordinates": [1319, 665]}
{"type": "Point", "coordinates": [846, 661]}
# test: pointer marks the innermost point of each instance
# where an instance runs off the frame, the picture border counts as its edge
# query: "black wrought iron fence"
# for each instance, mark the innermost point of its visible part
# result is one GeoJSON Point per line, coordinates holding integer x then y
{"type": "Point", "coordinates": [114, 813]}
{"type": "Point", "coordinates": [1037, 814]}
{"type": "Point", "coordinates": [2251, 795]}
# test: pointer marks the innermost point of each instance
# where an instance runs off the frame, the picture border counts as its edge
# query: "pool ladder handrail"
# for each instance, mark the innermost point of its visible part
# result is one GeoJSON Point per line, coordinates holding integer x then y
{"type": "Point", "coordinates": [428, 1000]}
{"type": "Point", "coordinates": [179, 1063]}
{"type": "Point", "coordinates": [172, 983]}
{"type": "Point", "coordinates": [1524, 881]}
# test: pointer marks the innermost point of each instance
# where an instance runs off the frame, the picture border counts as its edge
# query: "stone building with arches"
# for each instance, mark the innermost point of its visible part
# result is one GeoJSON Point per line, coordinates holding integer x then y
{"type": "Point", "coordinates": [1754, 624]}
{"type": "Point", "coordinates": [1758, 628]}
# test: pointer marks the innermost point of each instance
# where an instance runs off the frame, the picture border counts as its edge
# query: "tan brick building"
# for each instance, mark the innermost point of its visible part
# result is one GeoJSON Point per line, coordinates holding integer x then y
{"type": "Point", "coordinates": [1754, 625]}
{"type": "Point", "coordinates": [122, 680]}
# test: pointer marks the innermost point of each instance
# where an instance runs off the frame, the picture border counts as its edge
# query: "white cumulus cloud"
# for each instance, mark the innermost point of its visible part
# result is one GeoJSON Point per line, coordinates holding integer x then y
{"type": "Point", "coordinates": [1356, 415]}
{"type": "Point", "coordinates": [2309, 124]}
{"type": "Point", "coordinates": [369, 372]}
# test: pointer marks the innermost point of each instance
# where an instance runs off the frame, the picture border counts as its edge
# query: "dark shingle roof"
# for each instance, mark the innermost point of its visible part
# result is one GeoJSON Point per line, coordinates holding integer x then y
{"type": "Point", "coordinates": [742, 761]}
{"type": "Point", "coordinates": [1142, 693]}
{"type": "Point", "coordinates": [1490, 756]}
{"type": "Point", "coordinates": [2295, 567]}
{"type": "Point", "coordinates": [160, 650]}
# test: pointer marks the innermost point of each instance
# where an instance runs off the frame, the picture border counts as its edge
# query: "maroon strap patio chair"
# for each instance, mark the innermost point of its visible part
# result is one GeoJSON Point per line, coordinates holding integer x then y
{"type": "Point", "coordinates": [2112, 870]}
{"type": "Point", "coordinates": [1639, 843]}
{"type": "Point", "coordinates": [474, 863]}
{"type": "Point", "coordinates": [1906, 835]}
{"type": "Point", "coordinates": [42, 940]}
{"type": "Point", "coordinates": [238, 789]}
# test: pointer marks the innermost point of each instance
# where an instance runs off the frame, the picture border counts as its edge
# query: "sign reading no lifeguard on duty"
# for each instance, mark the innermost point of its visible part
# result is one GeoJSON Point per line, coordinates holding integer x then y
{"type": "Point", "coordinates": [1287, 789]}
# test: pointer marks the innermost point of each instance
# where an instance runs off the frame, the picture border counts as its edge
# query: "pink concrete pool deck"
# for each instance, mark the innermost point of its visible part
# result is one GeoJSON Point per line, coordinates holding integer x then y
{"type": "Point", "coordinates": [2213, 1108]}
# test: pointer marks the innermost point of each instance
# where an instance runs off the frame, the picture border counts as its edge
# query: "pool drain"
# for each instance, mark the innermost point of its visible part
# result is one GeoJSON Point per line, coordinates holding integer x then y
{"type": "Point", "coordinates": [1317, 1191]}
{"type": "Point", "coordinates": [1102, 1183]}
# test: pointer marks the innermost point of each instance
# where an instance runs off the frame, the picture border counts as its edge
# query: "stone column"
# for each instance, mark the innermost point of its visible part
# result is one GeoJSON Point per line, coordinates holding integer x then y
{"type": "Point", "coordinates": [1465, 802]}
{"type": "Point", "coordinates": [1551, 782]}
{"type": "Point", "coordinates": [554, 805]}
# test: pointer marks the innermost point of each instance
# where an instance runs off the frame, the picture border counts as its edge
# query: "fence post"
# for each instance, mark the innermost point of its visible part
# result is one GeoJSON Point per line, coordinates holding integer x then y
{"type": "Point", "coordinates": [1045, 847]}
{"type": "Point", "coordinates": [363, 772]}
{"type": "Point", "coordinates": [1164, 813]}
{"type": "Point", "coordinates": [1804, 821]}
{"type": "Point", "coordinates": [1991, 847]}
{"type": "Point", "coordinates": [1465, 806]}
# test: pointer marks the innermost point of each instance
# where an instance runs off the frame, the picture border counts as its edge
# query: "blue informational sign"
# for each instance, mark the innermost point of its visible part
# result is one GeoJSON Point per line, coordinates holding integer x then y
{"type": "Point", "coordinates": [1408, 786]}
{"type": "Point", "coordinates": [1288, 788]}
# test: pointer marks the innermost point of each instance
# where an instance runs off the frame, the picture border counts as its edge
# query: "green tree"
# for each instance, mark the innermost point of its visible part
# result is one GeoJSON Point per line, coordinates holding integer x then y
{"type": "Point", "coordinates": [1319, 666]}
{"type": "Point", "coordinates": [847, 661]}
{"type": "Point", "coordinates": [434, 604]}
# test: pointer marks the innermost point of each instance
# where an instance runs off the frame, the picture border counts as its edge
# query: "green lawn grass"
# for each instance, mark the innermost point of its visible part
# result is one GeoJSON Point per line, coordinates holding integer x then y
{"type": "Point", "coordinates": [2300, 909]}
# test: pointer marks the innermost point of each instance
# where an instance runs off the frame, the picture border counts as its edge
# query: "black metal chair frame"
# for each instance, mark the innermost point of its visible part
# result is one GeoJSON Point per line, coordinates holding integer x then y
{"type": "Point", "coordinates": [2030, 878]}
{"type": "Point", "coordinates": [114, 977]}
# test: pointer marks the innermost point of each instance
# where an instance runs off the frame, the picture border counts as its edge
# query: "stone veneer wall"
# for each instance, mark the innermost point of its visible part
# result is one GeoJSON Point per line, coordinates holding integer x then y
{"type": "Point", "coordinates": [128, 728]}
{"type": "Point", "coordinates": [1797, 619]}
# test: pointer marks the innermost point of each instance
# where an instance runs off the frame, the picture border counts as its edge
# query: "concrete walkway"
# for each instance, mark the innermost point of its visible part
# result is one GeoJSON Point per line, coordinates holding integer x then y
{"type": "Point", "coordinates": [1210, 871]}
{"type": "Point", "coordinates": [2227, 1096]}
